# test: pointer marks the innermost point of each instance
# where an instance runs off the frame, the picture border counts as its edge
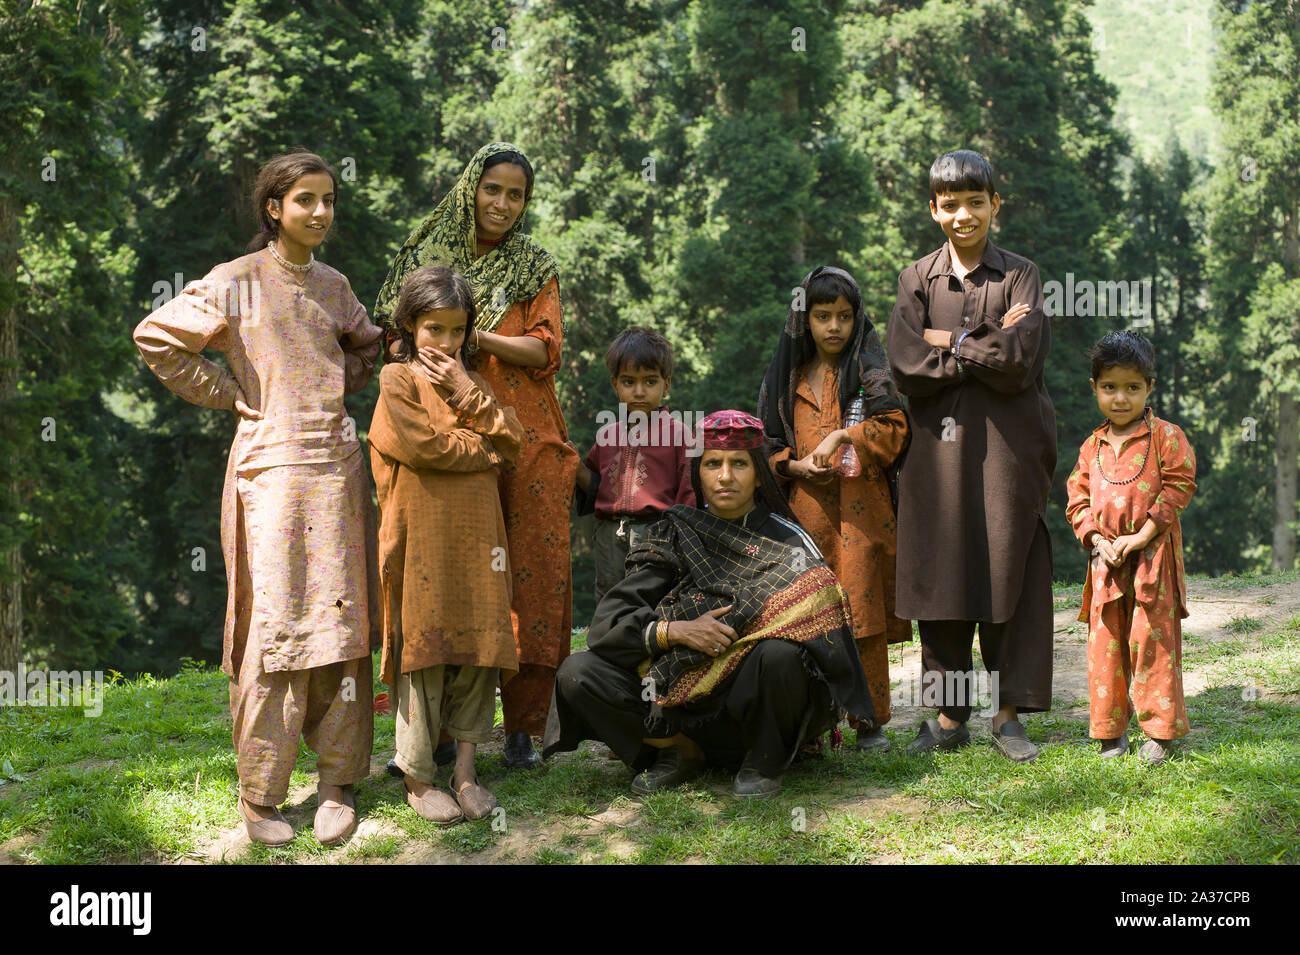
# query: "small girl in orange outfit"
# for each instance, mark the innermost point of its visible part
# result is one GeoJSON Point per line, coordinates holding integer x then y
{"type": "Point", "coordinates": [1134, 476]}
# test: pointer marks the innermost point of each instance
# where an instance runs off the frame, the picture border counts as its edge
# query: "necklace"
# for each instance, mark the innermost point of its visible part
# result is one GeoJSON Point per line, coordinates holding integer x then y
{"type": "Point", "coordinates": [1145, 454]}
{"type": "Point", "coordinates": [311, 260]}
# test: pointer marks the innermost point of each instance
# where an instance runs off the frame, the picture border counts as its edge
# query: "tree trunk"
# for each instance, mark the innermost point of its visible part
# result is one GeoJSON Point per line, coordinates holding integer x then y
{"type": "Point", "coordinates": [1288, 414]}
{"type": "Point", "coordinates": [11, 561]}
{"type": "Point", "coordinates": [1288, 446]}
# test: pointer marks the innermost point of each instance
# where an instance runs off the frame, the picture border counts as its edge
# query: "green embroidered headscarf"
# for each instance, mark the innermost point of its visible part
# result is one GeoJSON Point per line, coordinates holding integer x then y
{"type": "Point", "coordinates": [518, 265]}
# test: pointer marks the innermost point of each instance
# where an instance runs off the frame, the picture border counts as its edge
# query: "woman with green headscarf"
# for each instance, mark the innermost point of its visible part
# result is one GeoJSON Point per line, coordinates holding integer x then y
{"type": "Point", "coordinates": [477, 229]}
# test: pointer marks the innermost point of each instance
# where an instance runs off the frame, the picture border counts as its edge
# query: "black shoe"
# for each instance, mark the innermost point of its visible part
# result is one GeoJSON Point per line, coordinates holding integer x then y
{"type": "Point", "coordinates": [1010, 738]}
{"type": "Point", "coordinates": [751, 784]}
{"type": "Point", "coordinates": [444, 754]}
{"type": "Point", "coordinates": [519, 752]}
{"type": "Point", "coordinates": [934, 736]}
{"type": "Point", "coordinates": [873, 741]}
{"type": "Point", "coordinates": [671, 768]}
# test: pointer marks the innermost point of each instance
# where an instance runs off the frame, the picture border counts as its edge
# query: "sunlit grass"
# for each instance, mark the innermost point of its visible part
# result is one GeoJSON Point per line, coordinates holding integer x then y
{"type": "Point", "coordinates": [153, 779]}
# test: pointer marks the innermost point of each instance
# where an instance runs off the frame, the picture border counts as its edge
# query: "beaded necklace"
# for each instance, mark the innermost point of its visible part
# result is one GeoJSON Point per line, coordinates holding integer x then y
{"type": "Point", "coordinates": [311, 260]}
{"type": "Point", "coordinates": [1145, 454]}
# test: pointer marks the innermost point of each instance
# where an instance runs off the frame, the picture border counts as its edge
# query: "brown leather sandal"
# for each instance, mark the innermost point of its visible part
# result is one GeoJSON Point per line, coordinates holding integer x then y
{"type": "Point", "coordinates": [275, 831]}
{"type": "Point", "coordinates": [335, 821]}
{"type": "Point", "coordinates": [474, 800]}
{"type": "Point", "coordinates": [436, 805]}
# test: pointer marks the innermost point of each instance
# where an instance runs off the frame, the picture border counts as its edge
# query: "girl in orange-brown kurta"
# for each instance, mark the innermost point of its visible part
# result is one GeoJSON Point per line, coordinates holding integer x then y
{"type": "Point", "coordinates": [1135, 474]}
{"type": "Point", "coordinates": [436, 442]}
{"type": "Point", "coordinates": [829, 354]}
{"type": "Point", "coordinates": [477, 229]}
{"type": "Point", "coordinates": [297, 525]}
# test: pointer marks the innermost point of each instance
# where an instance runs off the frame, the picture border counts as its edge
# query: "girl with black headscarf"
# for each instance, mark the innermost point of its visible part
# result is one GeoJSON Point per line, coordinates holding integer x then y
{"type": "Point", "coordinates": [830, 354]}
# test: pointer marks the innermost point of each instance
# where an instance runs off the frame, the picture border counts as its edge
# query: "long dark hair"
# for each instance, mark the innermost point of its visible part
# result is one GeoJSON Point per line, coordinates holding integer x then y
{"type": "Point", "coordinates": [274, 181]}
{"type": "Point", "coordinates": [427, 288]}
{"type": "Point", "coordinates": [767, 492]}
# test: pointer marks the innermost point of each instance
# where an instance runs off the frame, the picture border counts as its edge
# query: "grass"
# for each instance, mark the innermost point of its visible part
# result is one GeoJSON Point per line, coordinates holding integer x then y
{"type": "Point", "coordinates": [1234, 582]}
{"type": "Point", "coordinates": [154, 779]}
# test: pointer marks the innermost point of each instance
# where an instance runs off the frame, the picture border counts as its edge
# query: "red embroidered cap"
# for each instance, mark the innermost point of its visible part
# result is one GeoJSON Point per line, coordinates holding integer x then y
{"type": "Point", "coordinates": [732, 431]}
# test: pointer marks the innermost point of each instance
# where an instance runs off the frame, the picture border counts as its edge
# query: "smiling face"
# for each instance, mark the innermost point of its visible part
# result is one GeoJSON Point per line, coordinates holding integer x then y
{"type": "Point", "coordinates": [1122, 395]}
{"type": "Point", "coordinates": [441, 328]}
{"type": "Point", "coordinates": [831, 326]}
{"type": "Point", "coordinates": [728, 479]}
{"type": "Point", "coordinates": [305, 213]}
{"type": "Point", "coordinates": [641, 389]}
{"type": "Point", "coordinates": [502, 192]}
{"type": "Point", "coordinates": [965, 217]}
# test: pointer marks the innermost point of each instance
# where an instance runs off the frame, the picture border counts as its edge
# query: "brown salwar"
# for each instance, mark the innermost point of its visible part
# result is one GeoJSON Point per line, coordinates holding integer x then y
{"type": "Point", "coordinates": [330, 707]}
{"type": "Point", "coordinates": [458, 701]}
{"type": "Point", "coordinates": [1014, 649]}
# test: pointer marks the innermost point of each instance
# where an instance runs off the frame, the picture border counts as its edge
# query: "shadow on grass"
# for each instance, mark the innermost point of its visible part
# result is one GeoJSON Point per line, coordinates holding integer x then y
{"type": "Point", "coordinates": [158, 772]}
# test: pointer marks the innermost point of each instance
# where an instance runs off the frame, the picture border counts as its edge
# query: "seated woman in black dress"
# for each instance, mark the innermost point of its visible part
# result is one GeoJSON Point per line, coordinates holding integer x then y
{"type": "Point", "coordinates": [729, 641]}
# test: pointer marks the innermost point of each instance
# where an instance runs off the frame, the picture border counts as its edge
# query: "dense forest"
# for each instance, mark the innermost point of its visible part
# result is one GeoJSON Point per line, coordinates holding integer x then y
{"type": "Point", "coordinates": [694, 159]}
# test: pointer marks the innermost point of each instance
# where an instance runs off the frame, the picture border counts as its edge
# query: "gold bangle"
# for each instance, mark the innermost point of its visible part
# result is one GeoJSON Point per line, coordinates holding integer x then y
{"type": "Point", "coordinates": [663, 635]}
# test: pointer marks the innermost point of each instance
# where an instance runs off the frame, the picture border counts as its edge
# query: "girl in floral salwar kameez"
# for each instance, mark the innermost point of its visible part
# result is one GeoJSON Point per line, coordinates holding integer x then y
{"type": "Point", "coordinates": [829, 355]}
{"type": "Point", "coordinates": [297, 524]}
{"type": "Point", "coordinates": [478, 230]}
{"type": "Point", "coordinates": [1134, 476]}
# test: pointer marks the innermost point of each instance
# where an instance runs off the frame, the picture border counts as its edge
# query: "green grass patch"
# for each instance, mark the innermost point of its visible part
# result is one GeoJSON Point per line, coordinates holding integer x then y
{"type": "Point", "coordinates": [1243, 625]}
{"type": "Point", "coordinates": [153, 779]}
{"type": "Point", "coordinates": [1233, 582]}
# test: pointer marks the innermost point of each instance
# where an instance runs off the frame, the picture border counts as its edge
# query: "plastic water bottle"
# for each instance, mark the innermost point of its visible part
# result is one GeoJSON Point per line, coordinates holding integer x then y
{"type": "Point", "coordinates": [854, 415]}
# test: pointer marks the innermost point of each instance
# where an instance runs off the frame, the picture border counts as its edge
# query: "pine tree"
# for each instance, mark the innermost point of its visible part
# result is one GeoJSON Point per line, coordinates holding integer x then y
{"type": "Point", "coordinates": [66, 562]}
{"type": "Point", "coordinates": [1256, 232]}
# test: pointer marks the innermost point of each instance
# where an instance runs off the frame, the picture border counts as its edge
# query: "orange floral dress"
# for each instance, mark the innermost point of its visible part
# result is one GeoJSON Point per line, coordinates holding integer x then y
{"type": "Point", "coordinates": [1134, 611]}
{"type": "Point", "coordinates": [536, 496]}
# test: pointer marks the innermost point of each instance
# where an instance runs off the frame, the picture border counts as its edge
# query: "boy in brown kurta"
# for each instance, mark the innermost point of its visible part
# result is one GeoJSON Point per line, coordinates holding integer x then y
{"type": "Point", "coordinates": [297, 525]}
{"type": "Point", "coordinates": [437, 440]}
{"type": "Point", "coordinates": [829, 356]}
{"type": "Point", "coordinates": [968, 340]}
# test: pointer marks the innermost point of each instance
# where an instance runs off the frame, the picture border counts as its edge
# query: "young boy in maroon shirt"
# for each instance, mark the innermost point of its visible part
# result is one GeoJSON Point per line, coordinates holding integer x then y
{"type": "Point", "coordinates": [640, 464]}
